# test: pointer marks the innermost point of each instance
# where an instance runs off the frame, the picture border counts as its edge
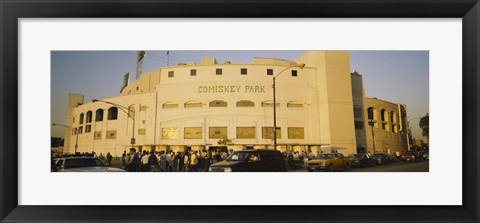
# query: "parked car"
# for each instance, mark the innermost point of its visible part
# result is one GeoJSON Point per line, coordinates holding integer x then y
{"type": "Point", "coordinates": [329, 162]}
{"type": "Point", "coordinates": [408, 157]}
{"type": "Point", "coordinates": [392, 158]}
{"type": "Point", "coordinates": [84, 164]}
{"type": "Point", "coordinates": [360, 160]}
{"type": "Point", "coordinates": [381, 158]}
{"type": "Point", "coordinates": [251, 160]}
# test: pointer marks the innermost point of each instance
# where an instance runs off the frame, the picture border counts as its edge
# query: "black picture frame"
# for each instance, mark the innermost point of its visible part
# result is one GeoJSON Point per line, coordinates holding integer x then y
{"type": "Point", "coordinates": [11, 11]}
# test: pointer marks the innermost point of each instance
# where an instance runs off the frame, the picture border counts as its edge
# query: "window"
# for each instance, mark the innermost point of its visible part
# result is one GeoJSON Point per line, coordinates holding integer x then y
{"type": "Point", "coordinates": [193, 72]}
{"type": "Point", "coordinates": [73, 121]}
{"type": "Point", "coordinates": [192, 133]}
{"type": "Point", "coordinates": [81, 119]}
{"type": "Point", "coordinates": [141, 131]}
{"type": "Point", "coordinates": [80, 130]}
{"type": "Point", "coordinates": [370, 113]}
{"type": "Point", "coordinates": [169, 105]}
{"type": "Point", "coordinates": [97, 135]}
{"type": "Point", "coordinates": [193, 104]}
{"type": "Point", "coordinates": [246, 132]}
{"type": "Point", "coordinates": [137, 88]}
{"type": "Point", "coordinates": [218, 103]}
{"type": "Point", "coordinates": [112, 113]}
{"type": "Point", "coordinates": [88, 128]}
{"type": "Point", "coordinates": [217, 132]}
{"type": "Point", "coordinates": [294, 73]}
{"type": "Point", "coordinates": [269, 104]}
{"type": "Point", "coordinates": [89, 117]}
{"type": "Point", "coordinates": [74, 132]}
{"type": "Point", "coordinates": [296, 133]}
{"type": "Point", "coordinates": [267, 133]}
{"type": "Point", "coordinates": [99, 115]}
{"type": "Point", "coordinates": [245, 103]}
{"type": "Point", "coordinates": [294, 104]}
{"type": "Point", "coordinates": [218, 71]}
{"type": "Point", "coordinates": [269, 71]}
{"type": "Point", "coordinates": [169, 133]}
{"type": "Point", "coordinates": [112, 134]}
{"type": "Point", "coordinates": [243, 71]}
{"type": "Point", "coordinates": [358, 125]}
{"type": "Point", "coordinates": [392, 117]}
{"type": "Point", "coordinates": [383, 115]}
{"type": "Point", "coordinates": [170, 73]}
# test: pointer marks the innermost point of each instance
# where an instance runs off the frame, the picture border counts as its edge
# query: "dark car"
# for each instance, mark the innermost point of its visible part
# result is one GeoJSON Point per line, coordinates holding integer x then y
{"type": "Point", "coordinates": [252, 161]}
{"type": "Point", "coordinates": [361, 160]}
{"type": "Point", "coordinates": [381, 158]}
{"type": "Point", "coordinates": [409, 157]}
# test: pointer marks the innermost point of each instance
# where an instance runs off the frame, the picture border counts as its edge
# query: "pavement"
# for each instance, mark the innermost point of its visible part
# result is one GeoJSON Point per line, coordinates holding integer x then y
{"type": "Point", "coordinates": [422, 166]}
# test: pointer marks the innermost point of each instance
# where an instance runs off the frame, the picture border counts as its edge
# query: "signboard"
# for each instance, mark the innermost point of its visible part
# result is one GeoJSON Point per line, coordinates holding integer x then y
{"type": "Point", "coordinates": [245, 132]}
{"type": "Point", "coordinates": [231, 89]}
{"type": "Point", "coordinates": [193, 133]}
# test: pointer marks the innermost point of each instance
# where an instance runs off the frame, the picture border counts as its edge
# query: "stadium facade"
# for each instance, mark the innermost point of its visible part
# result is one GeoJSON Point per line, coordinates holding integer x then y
{"type": "Point", "coordinates": [320, 105]}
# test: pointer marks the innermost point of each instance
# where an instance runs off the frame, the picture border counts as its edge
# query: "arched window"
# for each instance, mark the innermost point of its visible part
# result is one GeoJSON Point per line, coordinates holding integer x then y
{"type": "Point", "coordinates": [218, 103]}
{"type": "Point", "coordinates": [112, 113]}
{"type": "Point", "coordinates": [193, 104]}
{"type": "Point", "coordinates": [245, 103]}
{"type": "Point", "coordinates": [384, 115]}
{"type": "Point", "coordinates": [168, 105]}
{"type": "Point", "coordinates": [370, 113]}
{"type": "Point", "coordinates": [81, 119]}
{"type": "Point", "coordinates": [294, 104]}
{"type": "Point", "coordinates": [372, 116]}
{"type": "Point", "coordinates": [269, 104]}
{"type": "Point", "coordinates": [99, 115]}
{"type": "Point", "coordinates": [89, 117]}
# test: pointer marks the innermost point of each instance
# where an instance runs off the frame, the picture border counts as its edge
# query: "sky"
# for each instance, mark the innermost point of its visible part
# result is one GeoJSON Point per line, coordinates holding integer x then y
{"type": "Point", "coordinates": [395, 76]}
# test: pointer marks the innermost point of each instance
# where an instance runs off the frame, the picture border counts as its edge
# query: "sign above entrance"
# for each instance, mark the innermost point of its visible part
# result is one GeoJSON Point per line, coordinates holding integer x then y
{"type": "Point", "coordinates": [232, 89]}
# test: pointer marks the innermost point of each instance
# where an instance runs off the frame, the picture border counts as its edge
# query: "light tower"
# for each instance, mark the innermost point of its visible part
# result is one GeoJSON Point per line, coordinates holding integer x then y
{"type": "Point", "coordinates": [140, 56]}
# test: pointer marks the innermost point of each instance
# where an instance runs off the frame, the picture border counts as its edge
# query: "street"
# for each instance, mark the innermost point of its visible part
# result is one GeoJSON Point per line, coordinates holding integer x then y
{"type": "Point", "coordinates": [422, 166]}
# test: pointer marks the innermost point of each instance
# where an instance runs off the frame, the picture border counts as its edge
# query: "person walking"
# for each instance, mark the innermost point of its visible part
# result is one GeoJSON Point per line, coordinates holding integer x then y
{"type": "Point", "coordinates": [152, 161]}
{"type": "Point", "coordinates": [208, 159]}
{"type": "Point", "coordinates": [109, 159]}
{"type": "Point", "coordinates": [194, 162]}
{"type": "Point", "coordinates": [180, 162]}
{"type": "Point", "coordinates": [186, 162]}
{"type": "Point", "coordinates": [124, 160]}
{"type": "Point", "coordinates": [163, 162]}
{"type": "Point", "coordinates": [144, 160]}
{"type": "Point", "coordinates": [134, 161]}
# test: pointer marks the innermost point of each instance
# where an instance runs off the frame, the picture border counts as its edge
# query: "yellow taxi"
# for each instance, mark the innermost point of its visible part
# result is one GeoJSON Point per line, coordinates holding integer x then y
{"type": "Point", "coordinates": [328, 162]}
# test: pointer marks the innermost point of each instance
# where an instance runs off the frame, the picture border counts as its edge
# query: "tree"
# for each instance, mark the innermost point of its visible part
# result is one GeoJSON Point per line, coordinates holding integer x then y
{"type": "Point", "coordinates": [423, 123]}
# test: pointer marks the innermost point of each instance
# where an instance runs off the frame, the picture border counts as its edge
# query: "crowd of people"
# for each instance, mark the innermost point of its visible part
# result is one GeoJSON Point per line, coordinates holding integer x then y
{"type": "Point", "coordinates": [162, 161]}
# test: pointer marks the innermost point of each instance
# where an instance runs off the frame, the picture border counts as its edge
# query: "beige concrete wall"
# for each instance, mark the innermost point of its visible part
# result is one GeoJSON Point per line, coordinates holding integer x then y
{"type": "Point", "coordinates": [123, 125]}
{"type": "Point", "coordinates": [386, 140]}
{"type": "Point", "coordinates": [334, 97]}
